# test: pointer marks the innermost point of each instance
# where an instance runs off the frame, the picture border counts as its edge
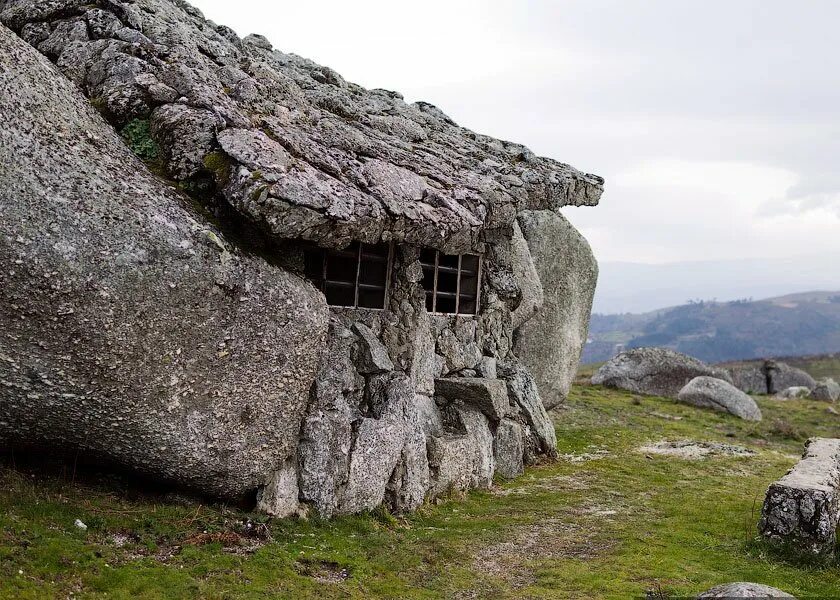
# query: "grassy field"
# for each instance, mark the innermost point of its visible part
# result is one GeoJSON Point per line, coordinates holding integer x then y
{"type": "Point", "coordinates": [607, 520]}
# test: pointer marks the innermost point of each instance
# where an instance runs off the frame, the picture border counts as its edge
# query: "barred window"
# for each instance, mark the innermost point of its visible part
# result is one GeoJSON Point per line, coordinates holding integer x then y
{"type": "Point", "coordinates": [357, 276]}
{"type": "Point", "coordinates": [451, 282]}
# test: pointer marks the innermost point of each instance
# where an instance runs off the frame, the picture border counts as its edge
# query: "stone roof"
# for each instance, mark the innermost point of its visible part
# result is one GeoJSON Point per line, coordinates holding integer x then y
{"type": "Point", "coordinates": [295, 148]}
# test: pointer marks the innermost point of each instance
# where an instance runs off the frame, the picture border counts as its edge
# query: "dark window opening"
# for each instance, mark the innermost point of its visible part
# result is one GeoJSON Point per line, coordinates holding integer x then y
{"type": "Point", "coordinates": [451, 282]}
{"type": "Point", "coordinates": [357, 277]}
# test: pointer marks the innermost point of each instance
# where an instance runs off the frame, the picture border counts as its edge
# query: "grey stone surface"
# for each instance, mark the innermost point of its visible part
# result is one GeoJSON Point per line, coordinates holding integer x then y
{"type": "Point", "coordinates": [362, 163]}
{"type": "Point", "coordinates": [377, 448]}
{"type": "Point", "coordinates": [709, 392]}
{"type": "Point", "coordinates": [129, 327]}
{"type": "Point", "coordinates": [279, 496]}
{"type": "Point", "coordinates": [550, 344]}
{"type": "Point", "coordinates": [782, 376]}
{"type": "Point", "coordinates": [801, 509]}
{"type": "Point", "coordinates": [460, 461]}
{"type": "Point", "coordinates": [826, 390]}
{"type": "Point", "coordinates": [751, 379]}
{"type": "Point", "coordinates": [372, 355]}
{"type": "Point", "coordinates": [522, 390]}
{"type": "Point", "coordinates": [490, 396]}
{"type": "Point", "coordinates": [509, 449]}
{"type": "Point", "coordinates": [654, 371]}
{"type": "Point", "coordinates": [736, 590]}
{"type": "Point", "coordinates": [792, 393]}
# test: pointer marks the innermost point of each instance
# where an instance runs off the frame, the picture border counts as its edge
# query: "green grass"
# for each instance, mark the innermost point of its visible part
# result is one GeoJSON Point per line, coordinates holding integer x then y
{"type": "Point", "coordinates": [605, 521]}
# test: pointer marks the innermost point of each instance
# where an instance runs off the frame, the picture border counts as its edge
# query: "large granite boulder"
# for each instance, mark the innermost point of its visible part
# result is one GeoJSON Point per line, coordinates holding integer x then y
{"type": "Point", "coordinates": [781, 376]}
{"type": "Point", "coordinates": [130, 328]}
{"type": "Point", "coordinates": [826, 390]}
{"type": "Point", "coordinates": [731, 591]}
{"type": "Point", "coordinates": [551, 342]}
{"type": "Point", "coordinates": [294, 147]}
{"type": "Point", "coordinates": [654, 371]}
{"type": "Point", "coordinates": [709, 392]}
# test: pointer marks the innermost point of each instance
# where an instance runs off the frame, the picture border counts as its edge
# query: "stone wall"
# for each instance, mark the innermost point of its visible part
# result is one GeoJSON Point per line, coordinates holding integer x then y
{"type": "Point", "coordinates": [381, 426]}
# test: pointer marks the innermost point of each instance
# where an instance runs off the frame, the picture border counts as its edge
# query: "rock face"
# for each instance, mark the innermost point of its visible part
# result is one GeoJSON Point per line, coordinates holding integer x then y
{"type": "Point", "coordinates": [156, 343]}
{"type": "Point", "coordinates": [654, 371]}
{"type": "Point", "coordinates": [826, 390]}
{"type": "Point", "coordinates": [130, 327]}
{"type": "Point", "coordinates": [708, 392]}
{"type": "Point", "coordinates": [801, 509]}
{"type": "Point", "coordinates": [744, 590]}
{"type": "Point", "coordinates": [550, 344]}
{"type": "Point", "coordinates": [770, 377]}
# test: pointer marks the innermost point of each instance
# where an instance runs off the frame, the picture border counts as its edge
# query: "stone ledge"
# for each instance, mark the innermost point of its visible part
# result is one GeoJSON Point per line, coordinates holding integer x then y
{"type": "Point", "coordinates": [490, 396]}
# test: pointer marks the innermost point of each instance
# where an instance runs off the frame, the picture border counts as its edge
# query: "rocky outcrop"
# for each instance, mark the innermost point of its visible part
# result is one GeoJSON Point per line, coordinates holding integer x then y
{"type": "Point", "coordinates": [770, 377]}
{"type": "Point", "coordinates": [654, 371]}
{"type": "Point", "coordinates": [826, 390]}
{"type": "Point", "coordinates": [731, 591]}
{"type": "Point", "coordinates": [802, 508]}
{"type": "Point", "coordinates": [551, 342]}
{"type": "Point", "coordinates": [290, 144]}
{"type": "Point", "coordinates": [781, 376]}
{"type": "Point", "coordinates": [708, 392]}
{"type": "Point", "coordinates": [129, 327]}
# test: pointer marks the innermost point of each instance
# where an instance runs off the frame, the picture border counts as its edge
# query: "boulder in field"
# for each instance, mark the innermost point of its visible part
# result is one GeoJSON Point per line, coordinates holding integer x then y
{"type": "Point", "coordinates": [826, 390]}
{"type": "Point", "coordinates": [781, 376]}
{"type": "Point", "coordinates": [654, 371]}
{"type": "Point", "coordinates": [708, 392]}
{"type": "Point", "coordinates": [792, 393]}
{"type": "Point", "coordinates": [131, 328]}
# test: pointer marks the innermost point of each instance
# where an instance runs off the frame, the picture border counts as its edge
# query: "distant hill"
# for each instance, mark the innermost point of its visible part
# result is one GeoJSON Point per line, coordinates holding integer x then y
{"type": "Point", "coordinates": [800, 324]}
{"type": "Point", "coordinates": [638, 288]}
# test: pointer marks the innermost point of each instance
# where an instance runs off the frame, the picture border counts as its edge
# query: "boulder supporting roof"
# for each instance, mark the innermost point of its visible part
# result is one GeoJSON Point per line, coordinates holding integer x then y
{"type": "Point", "coordinates": [296, 149]}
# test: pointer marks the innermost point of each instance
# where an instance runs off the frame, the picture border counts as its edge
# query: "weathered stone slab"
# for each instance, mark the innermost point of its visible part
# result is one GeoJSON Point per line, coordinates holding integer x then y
{"type": "Point", "coordinates": [371, 356]}
{"type": "Point", "coordinates": [461, 462]}
{"type": "Point", "coordinates": [801, 508]}
{"type": "Point", "coordinates": [509, 449]}
{"type": "Point", "coordinates": [490, 396]}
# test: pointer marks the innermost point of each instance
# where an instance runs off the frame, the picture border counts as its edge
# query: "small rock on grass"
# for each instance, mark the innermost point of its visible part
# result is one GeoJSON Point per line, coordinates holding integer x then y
{"type": "Point", "coordinates": [744, 590]}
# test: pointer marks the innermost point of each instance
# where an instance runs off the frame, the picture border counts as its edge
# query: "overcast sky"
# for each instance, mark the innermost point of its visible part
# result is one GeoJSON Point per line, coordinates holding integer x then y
{"type": "Point", "coordinates": [716, 124]}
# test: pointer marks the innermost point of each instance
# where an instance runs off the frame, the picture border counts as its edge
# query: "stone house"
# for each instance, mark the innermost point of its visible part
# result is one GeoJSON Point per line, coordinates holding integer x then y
{"type": "Point", "coordinates": [393, 301]}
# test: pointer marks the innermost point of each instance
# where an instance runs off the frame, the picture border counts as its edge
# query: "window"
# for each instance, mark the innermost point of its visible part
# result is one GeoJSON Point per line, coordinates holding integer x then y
{"type": "Point", "coordinates": [356, 277]}
{"type": "Point", "coordinates": [451, 282]}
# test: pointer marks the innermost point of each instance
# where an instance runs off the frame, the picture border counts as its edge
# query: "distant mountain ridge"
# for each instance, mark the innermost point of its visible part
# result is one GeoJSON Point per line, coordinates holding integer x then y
{"type": "Point", "coordinates": [639, 288]}
{"type": "Point", "coordinates": [805, 323]}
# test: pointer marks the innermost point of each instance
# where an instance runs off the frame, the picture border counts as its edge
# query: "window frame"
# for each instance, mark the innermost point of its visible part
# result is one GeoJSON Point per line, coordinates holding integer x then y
{"type": "Point", "coordinates": [323, 281]}
{"type": "Point", "coordinates": [458, 272]}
